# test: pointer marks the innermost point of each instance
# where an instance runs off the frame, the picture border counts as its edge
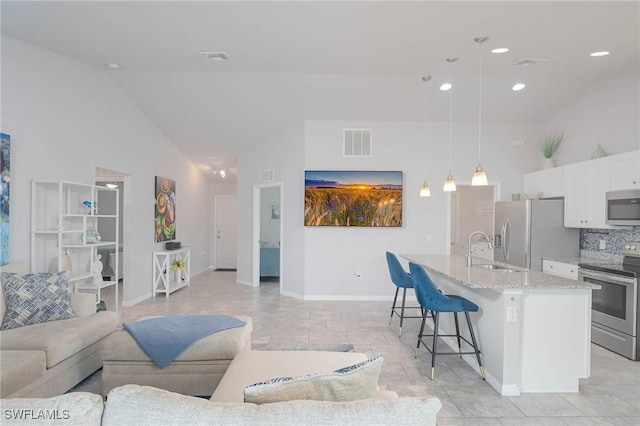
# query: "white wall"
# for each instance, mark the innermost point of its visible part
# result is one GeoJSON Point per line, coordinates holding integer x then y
{"type": "Point", "coordinates": [475, 211]}
{"type": "Point", "coordinates": [284, 153]}
{"type": "Point", "coordinates": [608, 114]}
{"type": "Point", "coordinates": [269, 226]}
{"type": "Point", "coordinates": [65, 118]}
{"type": "Point", "coordinates": [333, 255]}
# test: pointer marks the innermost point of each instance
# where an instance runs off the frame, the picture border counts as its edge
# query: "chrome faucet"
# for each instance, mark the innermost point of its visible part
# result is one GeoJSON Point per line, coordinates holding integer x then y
{"type": "Point", "coordinates": [489, 244]}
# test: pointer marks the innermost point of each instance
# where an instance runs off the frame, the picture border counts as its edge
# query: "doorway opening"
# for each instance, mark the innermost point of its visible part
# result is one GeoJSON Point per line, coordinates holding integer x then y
{"type": "Point", "coordinates": [267, 235]}
{"type": "Point", "coordinates": [471, 208]}
{"type": "Point", "coordinates": [113, 261]}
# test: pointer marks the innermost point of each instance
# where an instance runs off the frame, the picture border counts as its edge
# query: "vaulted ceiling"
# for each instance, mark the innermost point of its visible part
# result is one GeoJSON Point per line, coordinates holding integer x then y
{"type": "Point", "coordinates": [291, 61]}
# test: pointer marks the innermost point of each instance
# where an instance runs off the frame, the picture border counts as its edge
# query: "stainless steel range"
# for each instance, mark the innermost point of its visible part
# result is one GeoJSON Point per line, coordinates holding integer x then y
{"type": "Point", "coordinates": [615, 320]}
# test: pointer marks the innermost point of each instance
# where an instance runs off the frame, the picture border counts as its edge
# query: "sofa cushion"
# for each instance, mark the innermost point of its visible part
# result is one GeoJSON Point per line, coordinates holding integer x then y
{"type": "Point", "coordinates": [60, 339]}
{"type": "Point", "coordinates": [358, 381]}
{"type": "Point", "coordinates": [19, 368]}
{"type": "Point", "coordinates": [35, 299]}
{"type": "Point", "coordinates": [250, 367]}
{"type": "Point", "coordinates": [151, 406]}
{"type": "Point", "coordinates": [75, 408]}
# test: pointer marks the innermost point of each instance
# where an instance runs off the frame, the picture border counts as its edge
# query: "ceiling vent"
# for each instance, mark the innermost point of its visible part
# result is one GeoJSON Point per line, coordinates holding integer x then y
{"type": "Point", "coordinates": [527, 62]}
{"type": "Point", "coordinates": [214, 56]}
{"type": "Point", "coordinates": [357, 142]}
{"type": "Point", "coordinates": [267, 175]}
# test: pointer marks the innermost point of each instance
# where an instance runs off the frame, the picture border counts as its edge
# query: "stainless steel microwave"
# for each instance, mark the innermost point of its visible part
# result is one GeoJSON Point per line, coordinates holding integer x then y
{"type": "Point", "coordinates": [623, 207]}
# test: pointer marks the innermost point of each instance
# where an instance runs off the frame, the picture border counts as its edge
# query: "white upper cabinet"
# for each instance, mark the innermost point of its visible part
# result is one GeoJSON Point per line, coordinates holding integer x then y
{"type": "Point", "coordinates": [548, 182]}
{"type": "Point", "coordinates": [585, 185]}
{"type": "Point", "coordinates": [625, 171]}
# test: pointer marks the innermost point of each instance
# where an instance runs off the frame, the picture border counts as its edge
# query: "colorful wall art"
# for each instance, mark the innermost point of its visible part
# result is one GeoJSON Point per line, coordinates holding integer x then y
{"type": "Point", "coordinates": [165, 209]}
{"type": "Point", "coordinates": [353, 198]}
{"type": "Point", "coordinates": [5, 180]}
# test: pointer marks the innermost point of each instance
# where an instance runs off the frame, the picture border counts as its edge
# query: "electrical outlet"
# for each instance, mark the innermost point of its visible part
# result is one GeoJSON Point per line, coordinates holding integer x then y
{"type": "Point", "coordinates": [603, 244]}
{"type": "Point", "coordinates": [512, 314]}
{"type": "Point", "coordinates": [428, 238]}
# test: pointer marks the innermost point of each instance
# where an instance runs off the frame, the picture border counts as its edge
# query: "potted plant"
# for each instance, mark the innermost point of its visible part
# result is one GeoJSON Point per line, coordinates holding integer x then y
{"type": "Point", "coordinates": [549, 146]}
{"type": "Point", "coordinates": [178, 265]}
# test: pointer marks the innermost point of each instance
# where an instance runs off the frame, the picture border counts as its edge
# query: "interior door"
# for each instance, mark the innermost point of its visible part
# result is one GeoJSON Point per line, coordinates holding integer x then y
{"type": "Point", "coordinates": [225, 232]}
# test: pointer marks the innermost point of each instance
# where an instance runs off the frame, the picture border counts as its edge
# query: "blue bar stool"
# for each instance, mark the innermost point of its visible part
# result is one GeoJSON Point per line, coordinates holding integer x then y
{"type": "Point", "coordinates": [432, 299]}
{"type": "Point", "coordinates": [402, 280]}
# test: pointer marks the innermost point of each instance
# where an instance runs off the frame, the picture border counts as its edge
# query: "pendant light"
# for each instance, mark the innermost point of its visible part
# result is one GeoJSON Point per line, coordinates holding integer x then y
{"type": "Point", "coordinates": [449, 183]}
{"type": "Point", "coordinates": [425, 191]}
{"type": "Point", "coordinates": [479, 177]}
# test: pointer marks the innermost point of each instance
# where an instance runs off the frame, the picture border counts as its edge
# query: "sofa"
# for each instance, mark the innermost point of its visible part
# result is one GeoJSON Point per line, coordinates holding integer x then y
{"type": "Point", "coordinates": [143, 405]}
{"type": "Point", "coordinates": [47, 359]}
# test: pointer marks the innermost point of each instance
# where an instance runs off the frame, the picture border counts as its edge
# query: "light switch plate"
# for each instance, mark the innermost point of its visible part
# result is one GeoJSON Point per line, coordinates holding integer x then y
{"type": "Point", "coordinates": [603, 244]}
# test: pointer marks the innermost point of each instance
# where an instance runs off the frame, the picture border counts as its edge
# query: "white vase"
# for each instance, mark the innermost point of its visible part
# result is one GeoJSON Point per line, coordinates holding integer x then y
{"type": "Point", "coordinates": [548, 163]}
{"type": "Point", "coordinates": [65, 263]}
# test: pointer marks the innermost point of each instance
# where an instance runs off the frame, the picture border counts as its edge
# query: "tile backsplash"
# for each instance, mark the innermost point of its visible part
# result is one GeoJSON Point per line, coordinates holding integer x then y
{"type": "Point", "coordinates": [614, 239]}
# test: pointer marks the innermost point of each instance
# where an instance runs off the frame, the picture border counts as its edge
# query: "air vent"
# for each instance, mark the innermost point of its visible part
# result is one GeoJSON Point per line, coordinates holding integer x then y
{"type": "Point", "coordinates": [527, 62]}
{"type": "Point", "coordinates": [267, 175]}
{"type": "Point", "coordinates": [357, 142]}
{"type": "Point", "coordinates": [214, 56]}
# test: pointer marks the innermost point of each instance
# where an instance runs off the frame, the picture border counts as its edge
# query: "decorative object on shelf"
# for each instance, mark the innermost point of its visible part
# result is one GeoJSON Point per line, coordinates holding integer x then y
{"type": "Point", "coordinates": [96, 269]}
{"type": "Point", "coordinates": [178, 264]}
{"type": "Point", "coordinates": [449, 183]}
{"type": "Point", "coordinates": [549, 146]}
{"type": "Point", "coordinates": [165, 211]}
{"type": "Point", "coordinates": [353, 198]}
{"type": "Point", "coordinates": [90, 236]}
{"type": "Point", "coordinates": [93, 208]}
{"type": "Point", "coordinates": [479, 177]}
{"type": "Point", "coordinates": [425, 191]}
{"type": "Point", "coordinates": [598, 152]}
{"type": "Point", "coordinates": [65, 263]}
{"type": "Point", "coordinates": [5, 168]}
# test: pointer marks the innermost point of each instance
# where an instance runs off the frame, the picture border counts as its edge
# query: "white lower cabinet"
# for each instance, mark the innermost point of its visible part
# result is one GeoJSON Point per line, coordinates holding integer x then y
{"type": "Point", "coordinates": [561, 269]}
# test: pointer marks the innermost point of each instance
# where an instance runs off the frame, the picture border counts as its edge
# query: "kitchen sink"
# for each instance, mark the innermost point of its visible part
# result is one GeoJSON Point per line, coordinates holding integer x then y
{"type": "Point", "coordinates": [496, 268]}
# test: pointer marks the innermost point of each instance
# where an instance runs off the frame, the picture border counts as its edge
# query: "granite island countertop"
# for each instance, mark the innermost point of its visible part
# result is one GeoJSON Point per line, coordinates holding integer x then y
{"type": "Point", "coordinates": [455, 268]}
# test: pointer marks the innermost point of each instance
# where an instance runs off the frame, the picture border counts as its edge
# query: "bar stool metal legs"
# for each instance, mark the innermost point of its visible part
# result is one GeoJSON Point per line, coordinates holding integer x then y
{"type": "Point", "coordinates": [434, 344]}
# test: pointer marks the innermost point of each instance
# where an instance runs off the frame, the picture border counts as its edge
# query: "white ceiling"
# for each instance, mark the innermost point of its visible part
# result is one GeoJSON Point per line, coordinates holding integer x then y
{"type": "Point", "coordinates": [292, 61]}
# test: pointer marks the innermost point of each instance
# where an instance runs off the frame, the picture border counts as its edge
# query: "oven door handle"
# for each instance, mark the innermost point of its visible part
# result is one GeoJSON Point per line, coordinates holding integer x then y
{"type": "Point", "coordinates": [606, 277]}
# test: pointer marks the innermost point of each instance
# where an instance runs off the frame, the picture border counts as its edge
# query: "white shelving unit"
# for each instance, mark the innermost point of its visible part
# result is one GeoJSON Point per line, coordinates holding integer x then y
{"type": "Point", "coordinates": [165, 279]}
{"type": "Point", "coordinates": [59, 225]}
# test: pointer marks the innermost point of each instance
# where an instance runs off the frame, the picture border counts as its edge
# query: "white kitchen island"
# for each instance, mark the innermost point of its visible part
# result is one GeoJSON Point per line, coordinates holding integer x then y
{"type": "Point", "coordinates": [534, 329]}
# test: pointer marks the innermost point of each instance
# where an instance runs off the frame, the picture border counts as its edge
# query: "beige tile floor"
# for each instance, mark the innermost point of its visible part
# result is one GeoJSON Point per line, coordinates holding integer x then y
{"type": "Point", "coordinates": [611, 396]}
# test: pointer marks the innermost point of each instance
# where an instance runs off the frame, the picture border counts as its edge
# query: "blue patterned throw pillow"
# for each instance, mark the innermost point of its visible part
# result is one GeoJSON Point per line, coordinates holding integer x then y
{"type": "Point", "coordinates": [355, 382]}
{"type": "Point", "coordinates": [35, 298]}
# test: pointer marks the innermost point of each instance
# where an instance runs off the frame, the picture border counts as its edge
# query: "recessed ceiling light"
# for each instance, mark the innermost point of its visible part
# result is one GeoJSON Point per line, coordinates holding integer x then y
{"type": "Point", "coordinates": [500, 50]}
{"type": "Point", "coordinates": [214, 56]}
{"type": "Point", "coordinates": [601, 53]}
{"type": "Point", "coordinates": [518, 86]}
{"type": "Point", "coordinates": [113, 66]}
{"type": "Point", "coordinates": [445, 86]}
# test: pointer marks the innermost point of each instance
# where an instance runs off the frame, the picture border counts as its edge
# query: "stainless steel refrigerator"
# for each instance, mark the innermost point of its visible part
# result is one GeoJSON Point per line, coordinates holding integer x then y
{"type": "Point", "coordinates": [526, 230]}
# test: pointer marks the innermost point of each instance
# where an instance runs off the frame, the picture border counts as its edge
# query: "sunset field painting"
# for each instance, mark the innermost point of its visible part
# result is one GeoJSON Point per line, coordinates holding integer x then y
{"type": "Point", "coordinates": [353, 198]}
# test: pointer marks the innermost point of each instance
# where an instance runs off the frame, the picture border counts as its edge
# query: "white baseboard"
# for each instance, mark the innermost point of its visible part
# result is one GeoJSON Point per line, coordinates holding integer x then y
{"type": "Point", "coordinates": [243, 282]}
{"type": "Point", "coordinates": [136, 300]}
{"type": "Point", "coordinates": [202, 271]}
{"type": "Point", "coordinates": [292, 294]}
{"type": "Point", "coordinates": [363, 298]}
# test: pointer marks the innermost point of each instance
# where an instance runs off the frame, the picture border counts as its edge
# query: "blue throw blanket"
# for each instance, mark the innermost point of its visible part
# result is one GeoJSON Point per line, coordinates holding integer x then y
{"type": "Point", "coordinates": [163, 339]}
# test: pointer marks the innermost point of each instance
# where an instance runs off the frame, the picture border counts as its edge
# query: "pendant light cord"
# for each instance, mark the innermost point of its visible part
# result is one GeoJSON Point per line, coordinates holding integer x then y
{"type": "Point", "coordinates": [480, 105]}
{"type": "Point", "coordinates": [426, 128]}
{"type": "Point", "coordinates": [450, 125]}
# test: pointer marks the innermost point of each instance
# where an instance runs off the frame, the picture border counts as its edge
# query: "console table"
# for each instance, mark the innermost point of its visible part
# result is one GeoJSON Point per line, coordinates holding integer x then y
{"type": "Point", "coordinates": [166, 279]}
